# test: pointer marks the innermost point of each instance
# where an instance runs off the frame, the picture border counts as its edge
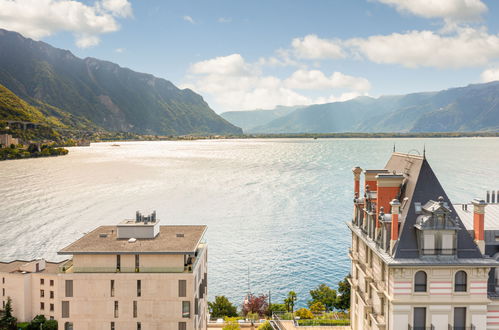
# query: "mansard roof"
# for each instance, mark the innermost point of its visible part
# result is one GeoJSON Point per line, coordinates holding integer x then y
{"type": "Point", "coordinates": [422, 186]}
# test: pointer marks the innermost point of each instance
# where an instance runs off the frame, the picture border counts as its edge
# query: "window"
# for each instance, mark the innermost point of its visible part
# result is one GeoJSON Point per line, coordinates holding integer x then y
{"type": "Point", "coordinates": [65, 310]}
{"type": "Point", "coordinates": [3, 280]}
{"type": "Point", "coordinates": [118, 263]}
{"type": "Point", "coordinates": [420, 282]}
{"type": "Point", "coordinates": [139, 288]}
{"type": "Point", "coordinates": [460, 281]}
{"type": "Point", "coordinates": [139, 326]}
{"type": "Point", "coordinates": [135, 308]}
{"type": "Point", "coordinates": [68, 326]}
{"type": "Point", "coordinates": [112, 288]}
{"type": "Point", "coordinates": [460, 318]}
{"type": "Point", "coordinates": [42, 281]}
{"type": "Point", "coordinates": [196, 307]}
{"type": "Point", "coordinates": [51, 307]}
{"type": "Point", "coordinates": [186, 309]}
{"type": "Point", "coordinates": [51, 282]}
{"type": "Point", "coordinates": [42, 306]}
{"type": "Point", "coordinates": [51, 294]}
{"type": "Point", "coordinates": [182, 326]}
{"type": "Point", "coordinates": [69, 288]}
{"type": "Point", "coordinates": [182, 288]}
{"type": "Point", "coordinates": [137, 263]}
{"type": "Point", "coordinates": [42, 293]}
{"type": "Point", "coordinates": [419, 321]}
{"type": "Point", "coordinates": [115, 308]}
{"type": "Point", "coordinates": [3, 292]}
{"type": "Point", "coordinates": [112, 326]}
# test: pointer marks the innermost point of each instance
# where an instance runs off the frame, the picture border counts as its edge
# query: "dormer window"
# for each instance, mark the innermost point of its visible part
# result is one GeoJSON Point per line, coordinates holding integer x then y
{"type": "Point", "coordinates": [436, 229]}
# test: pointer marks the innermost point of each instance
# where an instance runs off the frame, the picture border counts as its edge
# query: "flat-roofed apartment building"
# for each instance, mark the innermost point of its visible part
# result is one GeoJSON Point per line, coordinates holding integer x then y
{"type": "Point", "coordinates": [136, 275]}
{"type": "Point", "coordinates": [419, 262]}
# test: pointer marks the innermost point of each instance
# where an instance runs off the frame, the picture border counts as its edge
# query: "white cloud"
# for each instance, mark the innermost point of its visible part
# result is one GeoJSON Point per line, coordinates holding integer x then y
{"type": "Point", "coordinates": [121, 8]}
{"type": "Point", "coordinates": [189, 19]}
{"type": "Point", "coordinates": [317, 80]}
{"type": "Point", "coordinates": [119, 50]}
{"type": "Point", "coordinates": [456, 10]}
{"type": "Point", "coordinates": [224, 20]}
{"type": "Point", "coordinates": [235, 84]}
{"type": "Point", "coordinates": [468, 47]}
{"type": "Point", "coordinates": [42, 18]}
{"type": "Point", "coordinates": [313, 47]}
{"type": "Point", "coordinates": [489, 75]}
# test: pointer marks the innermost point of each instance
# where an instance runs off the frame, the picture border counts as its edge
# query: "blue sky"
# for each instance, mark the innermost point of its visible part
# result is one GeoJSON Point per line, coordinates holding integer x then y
{"type": "Point", "coordinates": [259, 54]}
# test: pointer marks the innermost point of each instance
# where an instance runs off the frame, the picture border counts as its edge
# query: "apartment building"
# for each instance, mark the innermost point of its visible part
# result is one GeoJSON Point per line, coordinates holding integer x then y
{"type": "Point", "coordinates": [418, 261]}
{"type": "Point", "coordinates": [135, 275]}
{"type": "Point", "coordinates": [6, 140]}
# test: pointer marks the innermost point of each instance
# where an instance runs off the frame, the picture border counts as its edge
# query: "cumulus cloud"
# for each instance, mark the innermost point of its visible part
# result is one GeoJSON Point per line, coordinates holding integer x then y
{"type": "Point", "coordinates": [42, 18]}
{"type": "Point", "coordinates": [456, 10]}
{"type": "Point", "coordinates": [224, 20]}
{"type": "Point", "coordinates": [235, 84]}
{"type": "Point", "coordinates": [313, 47]}
{"type": "Point", "coordinates": [466, 48]}
{"type": "Point", "coordinates": [189, 19]}
{"type": "Point", "coordinates": [491, 74]}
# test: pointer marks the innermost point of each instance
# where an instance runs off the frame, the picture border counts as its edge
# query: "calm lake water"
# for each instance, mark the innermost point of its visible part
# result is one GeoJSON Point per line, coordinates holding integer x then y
{"type": "Point", "coordinates": [277, 207]}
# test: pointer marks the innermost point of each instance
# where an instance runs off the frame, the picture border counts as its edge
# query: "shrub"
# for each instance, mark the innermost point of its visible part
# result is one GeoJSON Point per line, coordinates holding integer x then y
{"type": "Point", "coordinates": [317, 307]}
{"type": "Point", "coordinates": [304, 313]}
{"type": "Point", "coordinates": [265, 326]}
{"type": "Point", "coordinates": [231, 324]}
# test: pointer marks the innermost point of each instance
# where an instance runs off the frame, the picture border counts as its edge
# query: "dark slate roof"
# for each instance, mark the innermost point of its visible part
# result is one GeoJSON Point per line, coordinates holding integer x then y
{"type": "Point", "coordinates": [422, 185]}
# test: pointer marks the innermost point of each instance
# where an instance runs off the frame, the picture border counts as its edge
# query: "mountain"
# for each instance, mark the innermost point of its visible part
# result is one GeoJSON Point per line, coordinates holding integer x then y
{"type": "Point", "coordinates": [250, 119]}
{"type": "Point", "coordinates": [471, 108]}
{"type": "Point", "coordinates": [102, 93]}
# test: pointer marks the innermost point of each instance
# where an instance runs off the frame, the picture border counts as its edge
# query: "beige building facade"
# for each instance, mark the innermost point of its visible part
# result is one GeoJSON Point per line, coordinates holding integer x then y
{"type": "Point", "coordinates": [6, 140]}
{"type": "Point", "coordinates": [115, 280]}
{"type": "Point", "coordinates": [415, 264]}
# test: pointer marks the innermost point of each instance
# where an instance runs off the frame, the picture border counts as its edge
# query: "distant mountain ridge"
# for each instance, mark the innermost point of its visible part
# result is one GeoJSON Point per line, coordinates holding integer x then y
{"type": "Point", "coordinates": [464, 109]}
{"type": "Point", "coordinates": [100, 93]}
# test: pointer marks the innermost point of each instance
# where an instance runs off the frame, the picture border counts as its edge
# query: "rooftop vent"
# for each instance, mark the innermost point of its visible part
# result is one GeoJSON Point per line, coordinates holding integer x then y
{"type": "Point", "coordinates": [132, 240]}
{"type": "Point", "coordinates": [102, 235]}
{"type": "Point", "coordinates": [180, 235]}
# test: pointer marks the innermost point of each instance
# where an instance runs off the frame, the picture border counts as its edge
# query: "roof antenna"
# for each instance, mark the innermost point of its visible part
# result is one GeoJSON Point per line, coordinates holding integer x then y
{"type": "Point", "coordinates": [394, 147]}
{"type": "Point", "coordinates": [424, 151]}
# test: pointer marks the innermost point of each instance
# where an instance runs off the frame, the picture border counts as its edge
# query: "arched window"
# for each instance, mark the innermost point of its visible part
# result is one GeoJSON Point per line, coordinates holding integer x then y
{"type": "Point", "coordinates": [68, 326]}
{"type": "Point", "coordinates": [460, 281]}
{"type": "Point", "coordinates": [420, 282]}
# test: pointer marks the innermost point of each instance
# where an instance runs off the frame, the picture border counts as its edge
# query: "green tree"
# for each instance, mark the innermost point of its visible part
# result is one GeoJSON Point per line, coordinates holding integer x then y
{"type": "Point", "coordinates": [277, 308]}
{"type": "Point", "coordinates": [317, 307]}
{"type": "Point", "coordinates": [37, 323]}
{"type": "Point", "coordinates": [222, 307]}
{"type": "Point", "coordinates": [325, 295]}
{"type": "Point", "coordinates": [8, 321]}
{"type": "Point", "coordinates": [290, 301]}
{"type": "Point", "coordinates": [231, 324]}
{"type": "Point", "coordinates": [50, 325]}
{"type": "Point", "coordinates": [343, 299]}
{"type": "Point", "coordinates": [304, 314]}
{"type": "Point", "coordinates": [265, 326]}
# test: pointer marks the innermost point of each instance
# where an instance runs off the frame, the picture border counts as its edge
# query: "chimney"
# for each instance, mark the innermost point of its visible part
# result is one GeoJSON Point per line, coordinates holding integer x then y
{"type": "Point", "coordinates": [370, 178]}
{"type": "Point", "coordinates": [395, 205]}
{"type": "Point", "coordinates": [356, 180]}
{"type": "Point", "coordinates": [479, 223]}
{"type": "Point", "coordinates": [388, 188]}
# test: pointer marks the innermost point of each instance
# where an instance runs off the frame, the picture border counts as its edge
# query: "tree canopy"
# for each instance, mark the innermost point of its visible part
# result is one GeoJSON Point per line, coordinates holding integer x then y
{"type": "Point", "coordinates": [222, 307]}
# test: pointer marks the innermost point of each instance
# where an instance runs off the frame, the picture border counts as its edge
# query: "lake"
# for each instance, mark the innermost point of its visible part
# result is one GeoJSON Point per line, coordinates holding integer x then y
{"type": "Point", "coordinates": [276, 208]}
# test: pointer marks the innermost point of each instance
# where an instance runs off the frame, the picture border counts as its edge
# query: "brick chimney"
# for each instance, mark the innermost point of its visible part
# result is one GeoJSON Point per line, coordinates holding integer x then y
{"type": "Point", "coordinates": [388, 189]}
{"type": "Point", "coordinates": [395, 205]}
{"type": "Point", "coordinates": [356, 180]}
{"type": "Point", "coordinates": [479, 223]}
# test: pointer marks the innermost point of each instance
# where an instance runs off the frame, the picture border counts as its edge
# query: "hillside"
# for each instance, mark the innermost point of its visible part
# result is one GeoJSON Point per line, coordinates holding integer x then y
{"type": "Point", "coordinates": [464, 109]}
{"type": "Point", "coordinates": [105, 94]}
{"type": "Point", "coordinates": [250, 119]}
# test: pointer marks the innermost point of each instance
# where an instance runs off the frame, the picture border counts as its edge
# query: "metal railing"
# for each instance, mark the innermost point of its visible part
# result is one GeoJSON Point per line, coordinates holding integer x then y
{"type": "Point", "coordinates": [277, 322]}
{"type": "Point", "coordinates": [129, 269]}
{"type": "Point", "coordinates": [431, 327]}
{"type": "Point", "coordinates": [439, 252]}
{"type": "Point", "coordinates": [451, 327]}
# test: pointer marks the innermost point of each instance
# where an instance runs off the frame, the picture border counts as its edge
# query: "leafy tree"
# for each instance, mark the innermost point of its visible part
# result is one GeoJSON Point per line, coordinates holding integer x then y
{"type": "Point", "coordinates": [222, 307]}
{"type": "Point", "coordinates": [8, 321]}
{"type": "Point", "coordinates": [343, 299]}
{"type": "Point", "coordinates": [37, 323]}
{"type": "Point", "coordinates": [231, 324]}
{"type": "Point", "coordinates": [50, 325]}
{"type": "Point", "coordinates": [325, 295]}
{"type": "Point", "coordinates": [265, 326]}
{"type": "Point", "coordinates": [290, 301]}
{"type": "Point", "coordinates": [304, 314]}
{"type": "Point", "coordinates": [277, 308]}
{"type": "Point", "coordinates": [255, 304]}
{"type": "Point", "coordinates": [317, 307]}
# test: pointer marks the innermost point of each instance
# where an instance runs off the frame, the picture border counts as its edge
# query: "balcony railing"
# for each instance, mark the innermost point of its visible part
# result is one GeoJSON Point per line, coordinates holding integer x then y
{"type": "Point", "coordinates": [472, 327]}
{"type": "Point", "coordinates": [439, 252]}
{"type": "Point", "coordinates": [76, 269]}
{"type": "Point", "coordinates": [431, 327]}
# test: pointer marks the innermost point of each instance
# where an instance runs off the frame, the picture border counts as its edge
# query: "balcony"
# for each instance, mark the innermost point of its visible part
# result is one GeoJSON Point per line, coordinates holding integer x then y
{"type": "Point", "coordinates": [472, 327]}
{"type": "Point", "coordinates": [353, 255]}
{"type": "Point", "coordinates": [378, 320]}
{"type": "Point", "coordinates": [431, 327]}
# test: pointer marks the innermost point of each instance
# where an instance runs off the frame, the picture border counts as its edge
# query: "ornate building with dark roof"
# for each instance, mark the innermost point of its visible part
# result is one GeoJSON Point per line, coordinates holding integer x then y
{"type": "Point", "coordinates": [415, 264]}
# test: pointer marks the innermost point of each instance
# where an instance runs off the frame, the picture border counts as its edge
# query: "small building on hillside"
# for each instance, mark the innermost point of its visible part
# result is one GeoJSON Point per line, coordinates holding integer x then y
{"type": "Point", "coordinates": [6, 140]}
{"type": "Point", "coordinates": [418, 261]}
{"type": "Point", "coordinates": [136, 275]}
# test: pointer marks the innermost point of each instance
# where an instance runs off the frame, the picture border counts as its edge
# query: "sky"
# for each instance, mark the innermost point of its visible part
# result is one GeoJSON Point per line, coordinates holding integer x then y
{"type": "Point", "coordinates": [245, 55]}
